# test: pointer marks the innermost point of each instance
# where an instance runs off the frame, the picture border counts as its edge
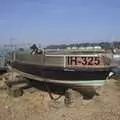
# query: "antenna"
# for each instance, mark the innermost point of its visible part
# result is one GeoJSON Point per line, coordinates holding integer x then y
{"type": "Point", "coordinates": [113, 43]}
{"type": "Point", "coordinates": [11, 45]}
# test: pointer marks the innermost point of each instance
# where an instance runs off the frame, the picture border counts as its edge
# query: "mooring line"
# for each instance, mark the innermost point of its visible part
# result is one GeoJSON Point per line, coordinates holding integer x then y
{"type": "Point", "coordinates": [50, 93]}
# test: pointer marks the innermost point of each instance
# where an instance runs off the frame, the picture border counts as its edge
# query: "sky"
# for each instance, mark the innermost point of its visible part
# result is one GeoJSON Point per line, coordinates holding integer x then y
{"type": "Point", "coordinates": [59, 21]}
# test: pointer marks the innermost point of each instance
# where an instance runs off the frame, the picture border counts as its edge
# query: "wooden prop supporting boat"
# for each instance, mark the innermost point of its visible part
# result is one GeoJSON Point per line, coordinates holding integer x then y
{"type": "Point", "coordinates": [65, 68]}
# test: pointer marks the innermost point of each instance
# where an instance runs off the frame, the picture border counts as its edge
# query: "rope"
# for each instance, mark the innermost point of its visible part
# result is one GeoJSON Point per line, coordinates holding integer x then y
{"type": "Point", "coordinates": [50, 93]}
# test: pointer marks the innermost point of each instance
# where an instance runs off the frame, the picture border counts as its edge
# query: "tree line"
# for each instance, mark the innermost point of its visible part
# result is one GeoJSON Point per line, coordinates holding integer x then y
{"type": "Point", "coordinates": [104, 45]}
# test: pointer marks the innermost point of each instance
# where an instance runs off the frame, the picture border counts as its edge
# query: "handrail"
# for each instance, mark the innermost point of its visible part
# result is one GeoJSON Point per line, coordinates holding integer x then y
{"type": "Point", "coordinates": [62, 55]}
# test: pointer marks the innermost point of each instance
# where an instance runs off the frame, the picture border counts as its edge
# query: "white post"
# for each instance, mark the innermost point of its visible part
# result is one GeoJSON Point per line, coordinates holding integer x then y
{"type": "Point", "coordinates": [64, 61]}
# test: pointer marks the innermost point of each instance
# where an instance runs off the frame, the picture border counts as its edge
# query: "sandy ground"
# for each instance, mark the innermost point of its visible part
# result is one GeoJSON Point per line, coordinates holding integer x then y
{"type": "Point", "coordinates": [36, 105]}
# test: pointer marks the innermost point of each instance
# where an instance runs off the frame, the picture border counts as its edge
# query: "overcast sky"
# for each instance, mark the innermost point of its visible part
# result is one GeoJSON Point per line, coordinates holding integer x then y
{"type": "Point", "coordinates": [59, 21]}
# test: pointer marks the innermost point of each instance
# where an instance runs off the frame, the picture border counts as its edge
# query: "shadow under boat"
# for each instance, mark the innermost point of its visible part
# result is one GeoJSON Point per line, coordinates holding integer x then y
{"type": "Point", "coordinates": [86, 92]}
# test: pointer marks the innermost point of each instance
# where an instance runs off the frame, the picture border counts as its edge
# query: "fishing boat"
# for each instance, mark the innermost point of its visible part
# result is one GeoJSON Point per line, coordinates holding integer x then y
{"type": "Point", "coordinates": [3, 63]}
{"type": "Point", "coordinates": [75, 68]}
{"type": "Point", "coordinates": [115, 72]}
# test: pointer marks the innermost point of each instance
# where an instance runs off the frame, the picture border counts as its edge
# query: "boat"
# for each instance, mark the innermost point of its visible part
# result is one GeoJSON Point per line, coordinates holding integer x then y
{"type": "Point", "coordinates": [74, 68]}
{"type": "Point", "coordinates": [3, 63]}
{"type": "Point", "coordinates": [115, 72]}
